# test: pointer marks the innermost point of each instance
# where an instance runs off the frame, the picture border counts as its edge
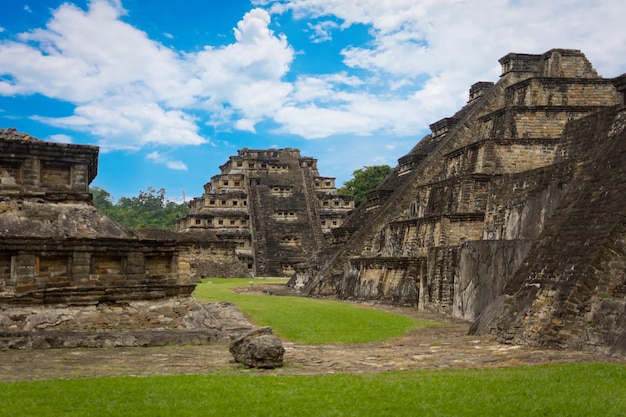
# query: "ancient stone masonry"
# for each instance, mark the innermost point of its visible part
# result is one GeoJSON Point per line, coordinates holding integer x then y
{"type": "Point", "coordinates": [570, 291]}
{"type": "Point", "coordinates": [209, 256]}
{"type": "Point", "coordinates": [273, 205]}
{"type": "Point", "coordinates": [55, 246]}
{"type": "Point", "coordinates": [469, 214]}
{"type": "Point", "coordinates": [64, 267]}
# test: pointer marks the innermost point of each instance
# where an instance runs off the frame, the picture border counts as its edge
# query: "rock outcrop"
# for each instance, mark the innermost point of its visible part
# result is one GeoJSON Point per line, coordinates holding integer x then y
{"type": "Point", "coordinates": [135, 323]}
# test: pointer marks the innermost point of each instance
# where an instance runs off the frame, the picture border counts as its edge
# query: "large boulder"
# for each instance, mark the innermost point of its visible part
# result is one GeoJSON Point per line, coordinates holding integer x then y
{"type": "Point", "coordinates": [259, 348]}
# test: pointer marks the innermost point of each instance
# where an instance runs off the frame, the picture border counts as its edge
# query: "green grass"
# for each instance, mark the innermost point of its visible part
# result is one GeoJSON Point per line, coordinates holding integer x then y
{"type": "Point", "coordinates": [555, 390]}
{"type": "Point", "coordinates": [582, 389]}
{"type": "Point", "coordinates": [310, 320]}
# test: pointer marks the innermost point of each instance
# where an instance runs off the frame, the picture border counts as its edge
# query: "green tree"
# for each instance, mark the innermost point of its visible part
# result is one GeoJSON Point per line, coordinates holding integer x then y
{"type": "Point", "coordinates": [102, 199]}
{"type": "Point", "coordinates": [149, 209]}
{"type": "Point", "coordinates": [363, 181]}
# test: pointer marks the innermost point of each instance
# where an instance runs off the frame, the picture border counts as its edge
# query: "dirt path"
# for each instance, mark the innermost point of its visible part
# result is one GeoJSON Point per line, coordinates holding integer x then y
{"type": "Point", "coordinates": [438, 347]}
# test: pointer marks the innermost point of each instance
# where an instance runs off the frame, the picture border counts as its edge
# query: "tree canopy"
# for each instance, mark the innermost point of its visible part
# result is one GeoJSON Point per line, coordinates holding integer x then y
{"type": "Point", "coordinates": [150, 209]}
{"type": "Point", "coordinates": [363, 181]}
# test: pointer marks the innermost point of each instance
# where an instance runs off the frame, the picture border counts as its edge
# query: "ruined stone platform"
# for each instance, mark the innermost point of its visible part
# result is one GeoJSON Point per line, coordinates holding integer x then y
{"type": "Point", "coordinates": [170, 321]}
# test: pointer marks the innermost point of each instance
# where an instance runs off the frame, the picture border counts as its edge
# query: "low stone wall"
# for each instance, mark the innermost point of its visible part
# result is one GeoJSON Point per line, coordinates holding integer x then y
{"type": "Point", "coordinates": [181, 320]}
{"type": "Point", "coordinates": [216, 260]}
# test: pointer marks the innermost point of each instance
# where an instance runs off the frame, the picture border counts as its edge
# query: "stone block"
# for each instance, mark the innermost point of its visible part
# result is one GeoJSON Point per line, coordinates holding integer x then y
{"type": "Point", "coordinates": [258, 349]}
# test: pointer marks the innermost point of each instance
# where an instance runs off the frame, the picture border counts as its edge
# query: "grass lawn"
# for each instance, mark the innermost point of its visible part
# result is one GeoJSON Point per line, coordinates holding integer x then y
{"type": "Point", "coordinates": [578, 389]}
{"type": "Point", "coordinates": [310, 320]}
{"type": "Point", "coordinates": [555, 390]}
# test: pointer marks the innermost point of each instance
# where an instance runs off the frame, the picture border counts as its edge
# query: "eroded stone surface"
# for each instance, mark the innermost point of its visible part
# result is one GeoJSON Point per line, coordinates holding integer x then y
{"type": "Point", "coordinates": [259, 348]}
{"type": "Point", "coordinates": [137, 323]}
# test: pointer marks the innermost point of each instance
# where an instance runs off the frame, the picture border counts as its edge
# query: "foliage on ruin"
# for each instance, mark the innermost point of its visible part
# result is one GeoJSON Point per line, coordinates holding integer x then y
{"type": "Point", "coordinates": [363, 181]}
{"type": "Point", "coordinates": [309, 320]}
{"type": "Point", "coordinates": [578, 389]}
{"type": "Point", "coordinates": [149, 209]}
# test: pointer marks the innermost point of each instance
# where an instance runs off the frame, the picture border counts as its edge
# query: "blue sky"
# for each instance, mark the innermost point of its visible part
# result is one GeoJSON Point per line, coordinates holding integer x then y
{"type": "Point", "coordinates": [170, 89]}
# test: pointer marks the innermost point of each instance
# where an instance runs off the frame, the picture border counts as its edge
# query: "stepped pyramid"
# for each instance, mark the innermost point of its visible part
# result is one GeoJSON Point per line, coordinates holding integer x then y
{"type": "Point", "coordinates": [274, 205]}
{"type": "Point", "coordinates": [509, 213]}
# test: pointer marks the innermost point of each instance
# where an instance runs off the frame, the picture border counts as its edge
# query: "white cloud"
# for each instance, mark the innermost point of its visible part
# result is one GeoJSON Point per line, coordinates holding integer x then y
{"type": "Point", "coordinates": [321, 31]}
{"type": "Point", "coordinates": [245, 125]}
{"type": "Point", "coordinates": [177, 165]}
{"type": "Point", "coordinates": [244, 79]}
{"type": "Point", "coordinates": [27, 9]}
{"type": "Point", "coordinates": [422, 56]}
{"type": "Point", "coordinates": [60, 138]}
{"type": "Point", "coordinates": [164, 160]}
{"type": "Point", "coordinates": [131, 91]}
{"type": "Point", "coordinates": [324, 88]}
{"type": "Point", "coordinates": [425, 54]}
{"type": "Point", "coordinates": [126, 124]}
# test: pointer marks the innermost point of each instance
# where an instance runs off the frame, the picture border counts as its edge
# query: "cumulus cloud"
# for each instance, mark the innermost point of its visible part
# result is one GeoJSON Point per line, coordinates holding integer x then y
{"type": "Point", "coordinates": [421, 57]}
{"type": "Point", "coordinates": [130, 91]}
{"type": "Point", "coordinates": [244, 79]}
{"type": "Point", "coordinates": [424, 55]}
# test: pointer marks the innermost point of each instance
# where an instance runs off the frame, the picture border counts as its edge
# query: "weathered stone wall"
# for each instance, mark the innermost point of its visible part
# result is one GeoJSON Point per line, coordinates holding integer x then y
{"type": "Point", "coordinates": [399, 284]}
{"type": "Point", "coordinates": [74, 271]}
{"type": "Point", "coordinates": [485, 268]}
{"type": "Point", "coordinates": [519, 205]}
{"type": "Point", "coordinates": [217, 259]}
{"type": "Point", "coordinates": [570, 291]}
{"type": "Point", "coordinates": [556, 91]}
{"type": "Point", "coordinates": [438, 273]}
{"type": "Point", "coordinates": [180, 320]}
{"type": "Point", "coordinates": [520, 156]}
{"type": "Point", "coordinates": [204, 256]}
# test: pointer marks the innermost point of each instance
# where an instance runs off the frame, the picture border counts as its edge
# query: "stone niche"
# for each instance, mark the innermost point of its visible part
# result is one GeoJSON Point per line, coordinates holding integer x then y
{"type": "Point", "coordinates": [79, 272]}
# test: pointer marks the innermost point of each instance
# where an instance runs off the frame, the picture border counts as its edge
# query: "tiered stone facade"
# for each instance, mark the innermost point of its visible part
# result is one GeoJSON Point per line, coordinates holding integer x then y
{"type": "Point", "coordinates": [273, 205]}
{"type": "Point", "coordinates": [71, 277]}
{"type": "Point", "coordinates": [56, 248]}
{"type": "Point", "coordinates": [569, 287]}
{"type": "Point", "coordinates": [463, 211]}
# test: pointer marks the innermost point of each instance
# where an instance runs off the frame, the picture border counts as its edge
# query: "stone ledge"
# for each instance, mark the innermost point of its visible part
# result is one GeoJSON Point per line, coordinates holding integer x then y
{"type": "Point", "coordinates": [58, 340]}
{"type": "Point", "coordinates": [140, 323]}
